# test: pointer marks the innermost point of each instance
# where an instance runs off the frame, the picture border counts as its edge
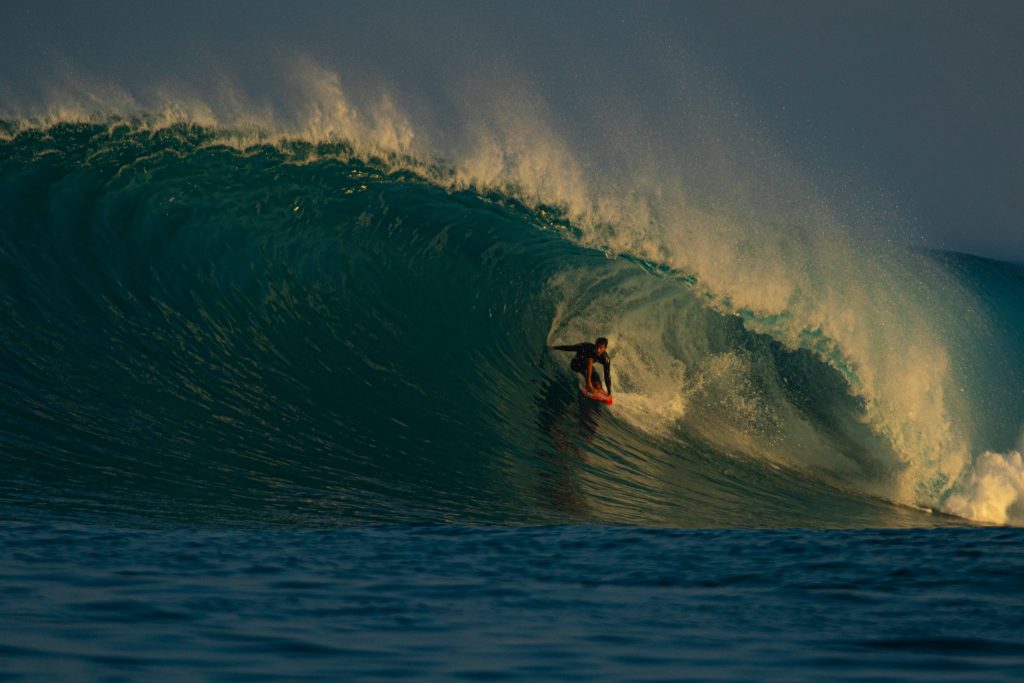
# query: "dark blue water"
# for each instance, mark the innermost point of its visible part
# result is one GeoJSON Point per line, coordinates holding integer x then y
{"type": "Point", "coordinates": [516, 603]}
{"type": "Point", "coordinates": [285, 410]}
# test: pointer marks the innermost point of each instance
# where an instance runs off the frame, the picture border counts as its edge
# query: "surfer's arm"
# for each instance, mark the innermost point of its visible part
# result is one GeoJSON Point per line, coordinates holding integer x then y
{"type": "Point", "coordinates": [567, 347]}
{"type": "Point", "coordinates": [608, 376]}
{"type": "Point", "coordinates": [590, 369]}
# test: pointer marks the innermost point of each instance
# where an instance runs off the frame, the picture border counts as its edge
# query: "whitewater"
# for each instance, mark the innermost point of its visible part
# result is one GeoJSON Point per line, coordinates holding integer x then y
{"type": "Point", "coordinates": [246, 312]}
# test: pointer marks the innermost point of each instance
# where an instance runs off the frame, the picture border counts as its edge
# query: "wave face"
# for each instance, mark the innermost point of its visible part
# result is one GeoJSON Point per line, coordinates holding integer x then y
{"type": "Point", "coordinates": [297, 332]}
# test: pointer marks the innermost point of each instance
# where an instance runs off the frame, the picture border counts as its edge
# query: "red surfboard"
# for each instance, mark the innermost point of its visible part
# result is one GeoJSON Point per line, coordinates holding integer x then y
{"type": "Point", "coordinates": [597, 395]}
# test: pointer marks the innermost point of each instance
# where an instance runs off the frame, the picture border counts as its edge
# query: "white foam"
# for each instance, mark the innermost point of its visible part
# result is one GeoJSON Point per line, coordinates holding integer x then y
{"type": "Point", "coordinates": [992, 490]}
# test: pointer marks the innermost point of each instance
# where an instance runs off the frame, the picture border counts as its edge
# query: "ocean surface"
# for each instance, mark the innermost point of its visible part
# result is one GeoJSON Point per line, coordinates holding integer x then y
{"type": "Point", "coordinates": [279, 407]}
{"type": "Point", "coordinates": [484, 603]}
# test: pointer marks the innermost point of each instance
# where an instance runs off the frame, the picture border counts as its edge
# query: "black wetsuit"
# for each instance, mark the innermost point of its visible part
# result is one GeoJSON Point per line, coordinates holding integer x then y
{"type": "Point", "coordinates": [587, 350]}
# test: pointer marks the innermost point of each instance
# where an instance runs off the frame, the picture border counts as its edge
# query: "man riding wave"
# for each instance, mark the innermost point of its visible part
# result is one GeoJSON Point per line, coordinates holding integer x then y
{"type": "Point", "coordinates": [583, 362]}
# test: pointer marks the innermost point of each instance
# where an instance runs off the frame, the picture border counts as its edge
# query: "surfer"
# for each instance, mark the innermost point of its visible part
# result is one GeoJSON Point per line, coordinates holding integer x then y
{"type": "Point", "coordinates": [583, 362]}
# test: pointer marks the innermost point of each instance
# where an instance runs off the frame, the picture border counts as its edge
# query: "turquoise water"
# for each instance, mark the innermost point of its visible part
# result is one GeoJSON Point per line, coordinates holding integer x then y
{"type": "Point", "coordinates": [284, 407]}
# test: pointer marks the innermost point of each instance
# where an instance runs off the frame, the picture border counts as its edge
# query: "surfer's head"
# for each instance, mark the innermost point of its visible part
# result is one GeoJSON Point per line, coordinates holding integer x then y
{"type": "Point", "coordinates": [602, 344]}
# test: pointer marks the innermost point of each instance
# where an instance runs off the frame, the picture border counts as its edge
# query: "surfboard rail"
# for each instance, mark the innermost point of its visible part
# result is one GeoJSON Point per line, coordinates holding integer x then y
{"type": "Point", "coordinates": [598, 395]}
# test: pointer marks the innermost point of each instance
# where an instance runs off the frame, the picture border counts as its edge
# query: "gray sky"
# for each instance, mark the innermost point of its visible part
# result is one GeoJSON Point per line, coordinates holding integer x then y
{"type": "Point", "coordinates": [912, 108]}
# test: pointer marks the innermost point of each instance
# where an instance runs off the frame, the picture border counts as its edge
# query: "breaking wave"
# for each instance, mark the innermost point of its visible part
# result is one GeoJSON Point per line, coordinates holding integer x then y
{"type": "Point", "coordinates": [332, 325]}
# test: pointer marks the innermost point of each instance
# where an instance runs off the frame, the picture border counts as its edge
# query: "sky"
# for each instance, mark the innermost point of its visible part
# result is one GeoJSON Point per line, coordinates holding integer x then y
{"type": "Point", "coordinates": [909, 111]}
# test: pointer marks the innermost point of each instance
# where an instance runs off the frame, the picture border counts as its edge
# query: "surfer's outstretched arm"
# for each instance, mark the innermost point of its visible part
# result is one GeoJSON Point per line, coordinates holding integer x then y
{"type": "Point", "coordinates": [566, 347]}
